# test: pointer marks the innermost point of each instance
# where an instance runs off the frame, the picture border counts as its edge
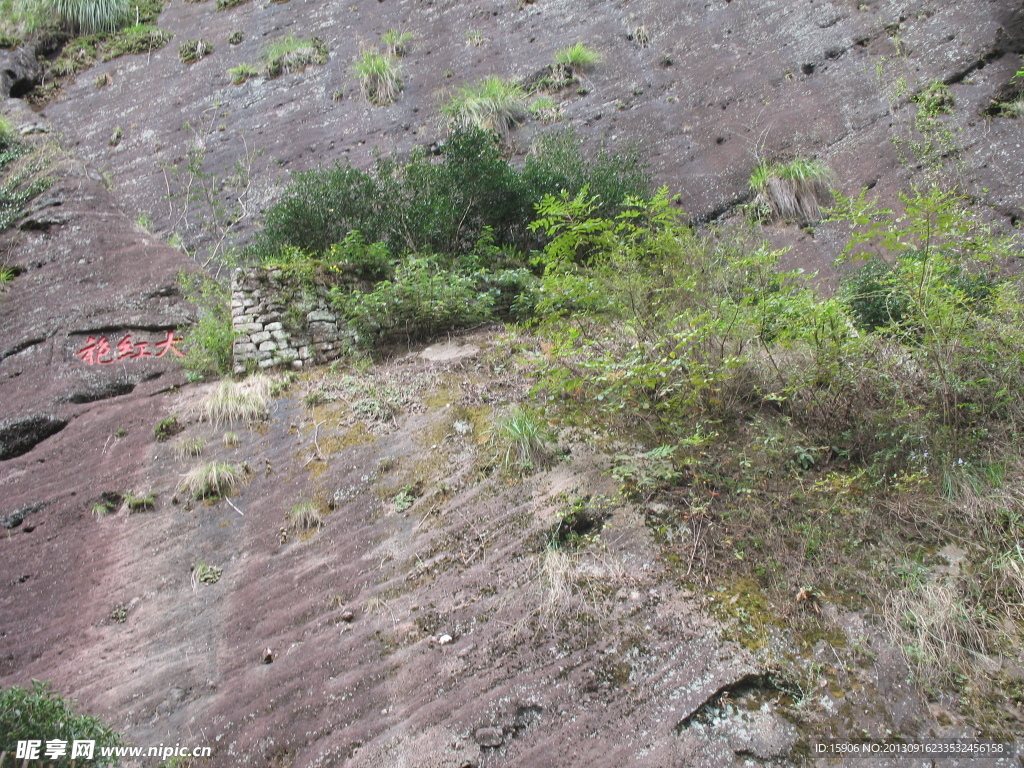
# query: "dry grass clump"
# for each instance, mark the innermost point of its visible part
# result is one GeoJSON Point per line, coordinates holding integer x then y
{"type": "Point", "coordinates": [305, 517]}
{"type": "Point", "coordinates": [943, 634]}
{"type": "Point", "coordinates": [794, 191]}
{"type": "Point", "coordinates": [190, 448]}
{"type": "Point", "coordinates": [231, 402]}
{"type": "Point", "coordinates": [212, 481]}
{"type": "Point", "coordinates": [379, 77]}
{"type": "Point", "coordinates": [292, 54]}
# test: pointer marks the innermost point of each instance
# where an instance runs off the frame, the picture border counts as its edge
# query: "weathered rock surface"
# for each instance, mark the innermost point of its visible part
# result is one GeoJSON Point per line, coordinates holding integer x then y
{"type": "Point", "coordinates": [348, 613]}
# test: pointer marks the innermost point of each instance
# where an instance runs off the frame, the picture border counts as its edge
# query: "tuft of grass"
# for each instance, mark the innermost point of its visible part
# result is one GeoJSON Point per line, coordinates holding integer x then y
{"type": "Point", "coordinates": [246, 402]}
{"type": "Point", "coordinates": [236, 37]}
{"type": "Point", "coordinates": [942, 633]}
{"type": "Point", "coordinates": [305, 517]}
{"type": "Point", "coordinates": [192, 51]}
{"type": "Point", "coordinates": [138, 502]}
{"type": "Point", "coordinates": [524, 436]}
{"type": "Point", "coordinates": [87, 16]}
{"type": "Point", "coordinates": [190, 448]}
{"type": "Point", "coordinates": [794, 191]}
{"type": "Point", "coordinates": [223, 5]}
{"type": "Point", "coordinates": [476, 38]}
{"type": "Point", "coordinates": [167, 428]}
{"type": "Point", "coordinates": [138, 38]}
{"type": "Point", "coordinates": [379, 77]}
{"type": "Point", "coordinates": [243, 72]}
{"type": "Point", "coordinates": [396, 44]}
{"type": "Point", "coordinates": [580, 57]}
{"type": "Point", "coordinates": [231, 440]}
{"type": "Point", "coordinates": [213, 480]}
{"type": "Point", "coordinates": [292, 54]}
{"type": "Point", "coordinates": [491, 104]}
{"type": "Point", "coordinates": [546, 109]}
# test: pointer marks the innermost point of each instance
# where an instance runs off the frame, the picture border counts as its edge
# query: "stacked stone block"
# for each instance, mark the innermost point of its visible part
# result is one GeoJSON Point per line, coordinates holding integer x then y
{"type": "Point", "coordinates": [283, 321]}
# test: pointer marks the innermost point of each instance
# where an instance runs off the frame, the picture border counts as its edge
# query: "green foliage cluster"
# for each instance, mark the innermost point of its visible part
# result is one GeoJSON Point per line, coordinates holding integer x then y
{"type": "Point", "coordinates": [445, 205]}
{"type": "Point", "coordinates": [38, 712]}
{"type": "Point", "coordinates": [909, 369]}
{"type": "Point", "coordinates": [21, 178]}
{"type": "Point", "coordinates": [579, 56]}
{"type": "Point", "coordinates": [209, 343]}
{"type": "Point", "coordinates": [425, 246]}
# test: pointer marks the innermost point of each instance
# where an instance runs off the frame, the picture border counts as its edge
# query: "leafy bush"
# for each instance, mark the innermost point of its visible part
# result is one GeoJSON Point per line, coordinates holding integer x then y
{"type": "Point", "coordinates": [422, 300]}
{"type": "Point", "coordinates": [209, 344]}
{"type": "Point", "coordinates": [38, 713]}
{"type": "Point", "coordinates": [424, 205]}
{"type": "Point", "coordinates": [491, 104]}
{"type": "Point", "coordinates": [664, 332]}
{"type": "Point", "coordinates": [379, 77]}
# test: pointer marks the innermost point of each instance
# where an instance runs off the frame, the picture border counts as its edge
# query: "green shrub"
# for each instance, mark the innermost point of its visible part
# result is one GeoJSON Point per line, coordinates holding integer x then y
{"type": "Point", "coordinates": [39, 713]}
{"type": "Point", "coordinates": [379, 77]}
{"type": "Point", "coordinates": [209, 343]}
{"type": "Point", "coordinates": [422, 300]}
{"type": "Point", "coordinates": [293, 54]}
{"type": "Point", "coordinates": [443, 207]}
{"type": "Point", "coordinates": [491, 104]}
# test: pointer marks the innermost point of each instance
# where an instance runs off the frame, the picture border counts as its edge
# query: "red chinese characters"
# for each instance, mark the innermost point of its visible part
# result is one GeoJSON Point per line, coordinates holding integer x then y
{"type": "Point", "coordinates": [97, 351]}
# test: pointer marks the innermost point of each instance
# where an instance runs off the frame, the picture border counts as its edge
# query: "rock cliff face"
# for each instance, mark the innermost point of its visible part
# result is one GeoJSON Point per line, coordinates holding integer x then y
{"type": "Point", "coordinates": [418, 626]}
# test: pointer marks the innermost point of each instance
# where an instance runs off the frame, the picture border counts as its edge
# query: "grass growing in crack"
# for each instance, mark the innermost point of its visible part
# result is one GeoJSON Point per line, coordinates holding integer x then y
{"type": "Point", "coordinates": [192, 51]}
{"type": "Point", "coordinates": [305, 517]}
{"type": "Point", "coordinates": [246, 402]}
{"type": "Point", "coordinates": [190, 448]}
{"type": "Point", "coordinates": [212, 481]}
{"type": "Point", "coordinates": [243, 72]}
{"type": "Point", "coordinates": [166, 428]}
{"type": "Point", "coordinates": [293, 54]}
{"type": "Point", "coordinates": [580, 57]}
{"type": "Point", "coordinates": [943, 633]}
{"type": "Point", "coordinates": [138, 502]}
{"type": "Point", "coordinates": [794, 191]}
{"type": "Point", "coordinates": [491, 104]}
{"type": "Point", "coordinates": [525, 438]}
{"type": "Point", "coordinates": [396, 43]}
{"type": "Point", "coordinates": [378, 76]}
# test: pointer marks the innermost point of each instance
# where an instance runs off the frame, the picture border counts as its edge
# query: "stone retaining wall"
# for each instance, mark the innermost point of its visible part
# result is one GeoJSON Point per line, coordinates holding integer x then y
{"type": "Point", "coordinates": [280, 320]}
